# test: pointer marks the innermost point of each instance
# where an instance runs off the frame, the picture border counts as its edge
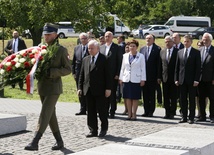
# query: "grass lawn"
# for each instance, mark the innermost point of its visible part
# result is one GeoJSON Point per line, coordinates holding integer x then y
{"type": "Point", "coordinates": [69, 86]}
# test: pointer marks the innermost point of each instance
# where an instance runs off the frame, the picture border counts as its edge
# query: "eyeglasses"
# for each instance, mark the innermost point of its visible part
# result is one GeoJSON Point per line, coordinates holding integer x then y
{"type": "Point", "coordinates": [83, 38]}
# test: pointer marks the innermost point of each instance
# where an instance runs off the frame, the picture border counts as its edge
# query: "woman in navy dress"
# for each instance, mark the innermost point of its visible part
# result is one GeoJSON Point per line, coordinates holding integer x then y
{"type": "Point", "coordinates": [133, 77]}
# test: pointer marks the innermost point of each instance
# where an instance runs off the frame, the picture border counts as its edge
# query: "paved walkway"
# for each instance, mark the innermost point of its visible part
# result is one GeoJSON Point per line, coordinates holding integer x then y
{"type": "Point", "coordinates": [74, 128]}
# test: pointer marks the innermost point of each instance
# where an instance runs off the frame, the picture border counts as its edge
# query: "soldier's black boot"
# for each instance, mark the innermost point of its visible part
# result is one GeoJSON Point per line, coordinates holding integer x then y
{"type": "Point", "coordinates": [59, 142]}
{"type": "Point", "coordinates": [34, 144]}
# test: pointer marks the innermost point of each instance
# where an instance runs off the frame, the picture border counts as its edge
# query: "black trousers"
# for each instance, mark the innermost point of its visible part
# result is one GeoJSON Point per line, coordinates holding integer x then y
{"type": "Point", "coordinates": [96, 104]}
{"type": "Point", "coordinates": [111, 101]}
{"type": "Point", "coordinates": [187, 91]}
{"type": "Point", "coordinates": [206, 89]}
{"type": "Point", "coordinates": [149, 96]}
{"type": "Point", "coordinates": [170, 97]}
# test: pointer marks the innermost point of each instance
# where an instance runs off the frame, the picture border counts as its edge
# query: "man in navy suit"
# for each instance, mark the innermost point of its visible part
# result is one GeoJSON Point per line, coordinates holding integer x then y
{"type": "Point", "coordinates": [177, 41]}
{"type": "Point", "coordinates": [166, 74]}
{"type": "Point", "coordinates": [114, 57]}
{"type": "Point", "coordinates": [152, 56]}
{"type": "Point", "coordinates": [80, 51]}
{"type": "Point", "coordinates": [95, 84]}
{"type": "Point", "coordinates": [206, 85]}
{"type": "Point", "coordinates": [14, 45]}
{"type": "Point", "coordinates": [187, 75]}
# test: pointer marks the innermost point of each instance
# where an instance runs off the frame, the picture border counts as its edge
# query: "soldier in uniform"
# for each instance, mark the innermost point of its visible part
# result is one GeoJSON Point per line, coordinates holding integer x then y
{"type": "Point", "coordinates": [50, 87]}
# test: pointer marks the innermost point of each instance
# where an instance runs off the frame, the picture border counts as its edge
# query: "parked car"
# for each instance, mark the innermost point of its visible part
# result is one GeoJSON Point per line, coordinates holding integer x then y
{"type": "Point", "coordinates": [198, 33]}
{"type": "Point", "coordinates": [26, 34]}
{"type": "Point", "coordinates": [156, 30]}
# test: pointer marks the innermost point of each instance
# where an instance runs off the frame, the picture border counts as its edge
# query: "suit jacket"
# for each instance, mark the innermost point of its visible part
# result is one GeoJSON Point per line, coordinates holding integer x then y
{"type": "Point", "coordinates": [152, 62]}
{"type": "Point", "coordinates": [96, 78]}
{"type": "Point", "coordinates": [77, 60]}
{"type": "Point", "coordinates": [166, 70]}
{"type": "Point", "coordinates": [181, 46]}
{"type": "Point", "coordinates": [122, 47]}
{"type": "Point", "coordinates": [21, 45]}
{"type": "Point", "coordinates": [114, 58]}
{"type": "Point", "coordinates": [60, 65]}
{"type": "Point", "coordinates": [190, 71]}
{"type": "Point", "coordinates": [207, 68]}
{"type": "Point", "coordinates": [134, 72]}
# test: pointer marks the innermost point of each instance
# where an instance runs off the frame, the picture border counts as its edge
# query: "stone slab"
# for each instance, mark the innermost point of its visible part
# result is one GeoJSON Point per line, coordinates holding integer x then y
{"type": "Point", "coordinates": [122, 149]}
{"type": "Point", "coordinates": [10, 123]}
{"type": "Point", "coordinates": [197, 140]}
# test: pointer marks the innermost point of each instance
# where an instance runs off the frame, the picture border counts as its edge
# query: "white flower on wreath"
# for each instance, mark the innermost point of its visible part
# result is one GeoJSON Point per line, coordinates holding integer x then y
{"type": "Point", "coordinates": [17, 65]}
{"type": "Point", "coordinates": [35, 51]}
{"type": "Point", "coordinates": [44, 51]}
{"type": "Point", "coordinates": [22, 52]}
{"type": "Point", "coordinates": [17, 56]}
{"type": "Point", "coordinates": [2, 71]}
{"type": "Point", "coordinates": [22, 60]}
{"type": "Point", "coordinates": [16, 59]}
{"type": "Point", "coordinates": [8, 64]}
{"type": "Point", "coordinates": [33, 61]}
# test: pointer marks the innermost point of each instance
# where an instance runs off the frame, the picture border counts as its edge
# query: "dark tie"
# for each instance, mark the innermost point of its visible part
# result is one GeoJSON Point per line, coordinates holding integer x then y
{"type": "Point", "coordinates": [186, 56]}
{"type": "Point", "coordinates": [176, 46]}
{"type": "Point", "coordinates": [14, 46]}
{"type": "Point", "coordinates": [83, 51]}
{"type": "Point", "coordinates": [92, 63]}
{"type": "Point", "coordinates": [169, 56]}
{"type": "Point", "coordinates": [93, 59]}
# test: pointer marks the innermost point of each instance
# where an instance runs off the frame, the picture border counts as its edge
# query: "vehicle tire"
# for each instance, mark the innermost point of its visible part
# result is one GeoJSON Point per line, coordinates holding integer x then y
{"type": "Point", "coordinates": [126, 35]}
{"type": "Point", "coordinates": [61, 35]}
{"type": "Point", "coordinates": [27, 36]}
{"type": "Point", "coordinates": [167, 34]}
{"type": "Point", "coordinates": [199, 37]}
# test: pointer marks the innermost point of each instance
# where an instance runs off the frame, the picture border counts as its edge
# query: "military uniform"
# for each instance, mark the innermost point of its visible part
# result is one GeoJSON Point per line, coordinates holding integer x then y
{"type": "Point", "coordinates": [50, 88]}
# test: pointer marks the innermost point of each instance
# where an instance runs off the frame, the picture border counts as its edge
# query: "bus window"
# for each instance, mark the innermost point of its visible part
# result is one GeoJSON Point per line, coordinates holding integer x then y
{"type": "Point", "coordinates": [170, 23]}
{"type": "Point", "coordinates": [192, 23]}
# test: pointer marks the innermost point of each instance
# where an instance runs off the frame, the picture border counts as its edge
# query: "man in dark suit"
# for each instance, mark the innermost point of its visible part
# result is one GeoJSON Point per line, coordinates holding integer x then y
{"type": "Point", "coordinates": [114, 57]}
{"type": "Point", "coordinates": [206, 85]}
{"type": "Point", "coordinates": [178, 44]}
{"type": "Point", "coordinates": [50, 87]}
{"type": "Point", "coordinates": [152, 56]}
{"type": "Point", "coordinates": [166, 74]}
{"type": "Point", "coordinates": [95, 84]}
{"type": "Point", "coordinates": [187, 74]}
{"type": "Point", "coordinates": [14, 45]}
{"type": "Point", "coordinates": [80, 51]}
{"type": "Point", "coordinates": [177, 41]}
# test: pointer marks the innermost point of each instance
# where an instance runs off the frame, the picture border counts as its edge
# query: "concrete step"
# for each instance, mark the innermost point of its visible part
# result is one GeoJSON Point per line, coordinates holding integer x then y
{"type": "Point", "coordinates": [10, 123]}
{"type": "Point", "coordinates": [197, 141]}
{"type": "Point", "coordinates": [122, 149]}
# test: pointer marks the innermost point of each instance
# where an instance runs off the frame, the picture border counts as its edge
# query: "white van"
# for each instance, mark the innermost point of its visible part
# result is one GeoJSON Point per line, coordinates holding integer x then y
{"type": "Point", "coordinates": [115, 25]}
{"type": "Point", "coordinates": [66, 30]}
{"type": "Point", "coordinates": [185, 24]}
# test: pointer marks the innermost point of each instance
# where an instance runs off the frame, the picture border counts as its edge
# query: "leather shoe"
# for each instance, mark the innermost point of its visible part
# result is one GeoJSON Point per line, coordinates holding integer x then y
{"type": "Point", "coordinates": [150, 115]}
{"type": "Point", "coordinates": [212, 120]}
{"type": "Point", "coordinates": [201, 119]}
{"type": "Point", "coordinates": [91, 135]}
{"type": "Point", "coordinates": [183, 121]}
{"type": "Point", "coordinates": [191, 121]}
{"type": "Point", "coordinates": [144, 115]}
{"type": "Point", "coordinates": [81, 113]}
{"type": "Point", "coordinates": [58, 145]}
{"type": "Point", "coordinates": [112, 116]}
{"type": "Point", "coordinates": [102, 133]}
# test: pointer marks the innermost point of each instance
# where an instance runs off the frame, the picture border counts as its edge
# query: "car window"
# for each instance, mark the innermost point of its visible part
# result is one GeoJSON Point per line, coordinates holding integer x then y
{"type": "Point", "coordinates": [147, 27]}
{"type": "Point", "coordinates": [200, 29]}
